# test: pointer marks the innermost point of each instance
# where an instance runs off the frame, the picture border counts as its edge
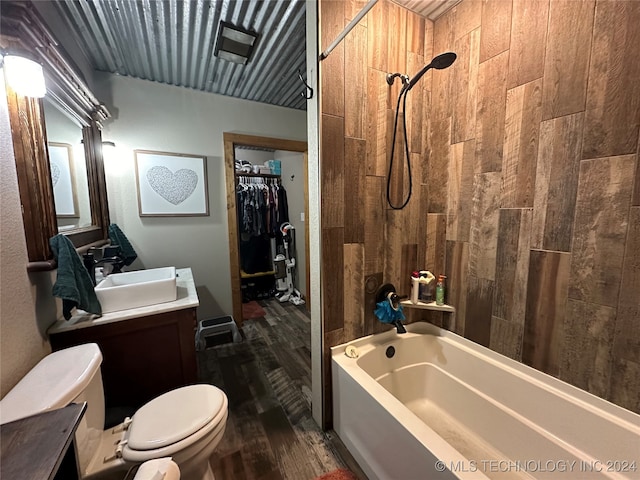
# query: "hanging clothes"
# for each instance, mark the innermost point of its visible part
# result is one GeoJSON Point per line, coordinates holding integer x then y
{"type": "Point", "coordinates": [261, 208]}
{"type": "Point", "coordinates": [283, 206]}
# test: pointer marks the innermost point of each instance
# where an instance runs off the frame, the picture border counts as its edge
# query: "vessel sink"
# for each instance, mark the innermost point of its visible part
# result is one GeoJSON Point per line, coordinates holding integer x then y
{"type": "Point", "coordinates": [141, 288]}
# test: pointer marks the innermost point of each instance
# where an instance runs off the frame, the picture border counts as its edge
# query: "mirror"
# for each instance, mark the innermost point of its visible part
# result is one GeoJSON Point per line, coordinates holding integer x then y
{"type": "Point", "coordinates": [68, 169]}
{"type": "Point", "coordinates": [80, 210]}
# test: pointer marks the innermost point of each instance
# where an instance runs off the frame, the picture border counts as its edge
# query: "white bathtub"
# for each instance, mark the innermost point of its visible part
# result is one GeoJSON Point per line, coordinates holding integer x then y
{"type": "Point", "coordinates": [445, 407]}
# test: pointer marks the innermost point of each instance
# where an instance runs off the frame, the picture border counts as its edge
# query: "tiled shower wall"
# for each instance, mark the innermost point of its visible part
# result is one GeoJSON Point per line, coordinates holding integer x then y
{"type": "Point", "coordinates": [363, 241]}
{"type": "Point", "coordinates": [538, 128]}
{"type": "Point", "coordinates": [526, 186]}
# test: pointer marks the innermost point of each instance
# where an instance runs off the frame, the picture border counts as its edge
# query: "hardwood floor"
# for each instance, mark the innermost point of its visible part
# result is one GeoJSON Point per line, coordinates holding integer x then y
{"type": "Point", "coordinates": [270, 433]}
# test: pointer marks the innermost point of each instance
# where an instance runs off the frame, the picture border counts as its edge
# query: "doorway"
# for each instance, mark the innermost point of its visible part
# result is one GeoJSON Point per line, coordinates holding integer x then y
{"type": "Point", "coordinates": [231, 142]}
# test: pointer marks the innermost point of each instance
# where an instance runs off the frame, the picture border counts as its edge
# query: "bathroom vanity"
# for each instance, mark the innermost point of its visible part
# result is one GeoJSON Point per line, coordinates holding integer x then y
{"type": "Point", "coordinates": [147, 351]}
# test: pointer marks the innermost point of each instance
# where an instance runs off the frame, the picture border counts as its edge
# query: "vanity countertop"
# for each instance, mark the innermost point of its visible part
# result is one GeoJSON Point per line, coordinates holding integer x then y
{"type": "Point", "coordinates": [187, 298]}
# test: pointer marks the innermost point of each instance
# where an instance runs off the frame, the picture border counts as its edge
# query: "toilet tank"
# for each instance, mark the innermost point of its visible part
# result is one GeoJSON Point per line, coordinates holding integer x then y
{"type": "Point", "coordinates": [55, 382]}
{"type": "Point", "coordinates": [67, 376]}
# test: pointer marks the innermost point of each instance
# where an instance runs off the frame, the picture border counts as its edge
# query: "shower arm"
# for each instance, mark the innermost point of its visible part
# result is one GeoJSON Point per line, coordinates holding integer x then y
{"type": "Point", "coordinates": [391, 78]}
{"type": "Point", "coordinates": [442, 61]}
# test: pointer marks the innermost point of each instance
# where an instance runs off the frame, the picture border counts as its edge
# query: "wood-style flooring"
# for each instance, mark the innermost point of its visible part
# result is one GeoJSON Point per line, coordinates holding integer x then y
{"type": "Point", "coordinates": [270, 433]}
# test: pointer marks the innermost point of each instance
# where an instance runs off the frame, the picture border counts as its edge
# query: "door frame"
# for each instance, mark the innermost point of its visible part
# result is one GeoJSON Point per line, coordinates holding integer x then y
{"type": "Point", "coordinates": [230, 142]}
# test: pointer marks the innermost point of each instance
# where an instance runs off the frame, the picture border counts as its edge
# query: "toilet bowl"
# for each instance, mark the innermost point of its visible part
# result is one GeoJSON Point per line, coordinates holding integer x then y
{"type": "Point", "coordinates": [186, 423]}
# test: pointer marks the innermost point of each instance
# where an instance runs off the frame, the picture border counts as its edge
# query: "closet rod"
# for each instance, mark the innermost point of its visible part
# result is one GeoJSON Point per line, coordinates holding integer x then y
{"type": "Point", "coordinates": [348, 28]}
{"type": "Point", "coordinates": [266, 175]}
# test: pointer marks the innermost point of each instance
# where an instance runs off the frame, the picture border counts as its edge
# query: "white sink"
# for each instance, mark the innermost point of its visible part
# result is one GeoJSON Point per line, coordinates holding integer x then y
{"type": "Point", "coordinates": [141, 288]}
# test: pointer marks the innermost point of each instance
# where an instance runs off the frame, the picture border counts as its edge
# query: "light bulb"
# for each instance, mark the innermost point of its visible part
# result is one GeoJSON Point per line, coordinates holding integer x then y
{"type": "Point", "coordinates": [24, 76]}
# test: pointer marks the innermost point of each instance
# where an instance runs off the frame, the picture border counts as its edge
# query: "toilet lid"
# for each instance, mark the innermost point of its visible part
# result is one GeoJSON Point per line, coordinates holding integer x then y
{"type": "Point", "coordinates": [174, 416]}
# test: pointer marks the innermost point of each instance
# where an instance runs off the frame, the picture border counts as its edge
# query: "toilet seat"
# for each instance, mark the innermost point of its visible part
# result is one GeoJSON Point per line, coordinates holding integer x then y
{"type": "Point", "coordinates": [175, 420]}
{"type": "Point", "coordinates": [174, 416]}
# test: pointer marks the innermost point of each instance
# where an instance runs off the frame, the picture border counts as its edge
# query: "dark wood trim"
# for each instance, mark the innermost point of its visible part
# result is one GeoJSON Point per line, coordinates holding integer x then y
{"type": "Point", "coordinates": [33, 171]}
{"type": "Point", "coordinates": [43, 266]}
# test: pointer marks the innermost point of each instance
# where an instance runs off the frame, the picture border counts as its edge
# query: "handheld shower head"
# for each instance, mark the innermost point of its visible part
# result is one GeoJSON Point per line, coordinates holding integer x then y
{"type": "Point", "coordinates": [442, 61]}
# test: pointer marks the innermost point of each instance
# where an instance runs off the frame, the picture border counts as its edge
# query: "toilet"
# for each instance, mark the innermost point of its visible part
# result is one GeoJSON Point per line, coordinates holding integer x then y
{"type": "Point", "coordinates": [185, 424]}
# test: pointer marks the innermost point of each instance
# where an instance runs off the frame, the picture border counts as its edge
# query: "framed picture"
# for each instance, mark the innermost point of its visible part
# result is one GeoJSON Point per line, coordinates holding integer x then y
{"type": "Point", "coordinates": [171, 184]}
{"type": "Point", "coordinates": [63, 179]}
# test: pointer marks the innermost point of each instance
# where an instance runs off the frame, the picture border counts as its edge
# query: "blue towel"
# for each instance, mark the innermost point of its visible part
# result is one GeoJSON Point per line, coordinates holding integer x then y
{"type": "Point", "coordinates": [127, 252]}
{"type": "Point", "coordinates": [73, 283]}
{"type": "Point", "coordinates": [386, 314]}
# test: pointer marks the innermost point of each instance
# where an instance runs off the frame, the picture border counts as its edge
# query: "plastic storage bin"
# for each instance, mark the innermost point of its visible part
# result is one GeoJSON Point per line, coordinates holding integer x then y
{"type": "Point", "coordinates": [216, 331]}
{"type": "Point", "coordinates": [274, 167]}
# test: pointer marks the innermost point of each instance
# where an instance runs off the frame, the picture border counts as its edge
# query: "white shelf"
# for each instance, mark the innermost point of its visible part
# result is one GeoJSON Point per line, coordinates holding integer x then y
{"type": "Point", "coordinates": [428, 306]}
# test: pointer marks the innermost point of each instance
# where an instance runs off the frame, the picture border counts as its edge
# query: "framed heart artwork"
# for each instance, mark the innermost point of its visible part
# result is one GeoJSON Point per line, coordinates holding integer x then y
{"type": "Point", "coordinates": [171, 184]}
{"type": "Point", "coordinates": [63, 179]}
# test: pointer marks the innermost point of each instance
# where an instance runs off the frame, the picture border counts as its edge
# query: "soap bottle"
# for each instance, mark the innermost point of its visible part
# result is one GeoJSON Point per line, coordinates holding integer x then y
{"type": "Point", "coordinates": [415, 286]}
{"type": "Point", "coordinates": [440, 290]}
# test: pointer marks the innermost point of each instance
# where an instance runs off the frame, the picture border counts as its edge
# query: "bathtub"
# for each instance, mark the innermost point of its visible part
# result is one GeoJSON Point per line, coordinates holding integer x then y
{"type": "Point", "coordinates": [443, 407]}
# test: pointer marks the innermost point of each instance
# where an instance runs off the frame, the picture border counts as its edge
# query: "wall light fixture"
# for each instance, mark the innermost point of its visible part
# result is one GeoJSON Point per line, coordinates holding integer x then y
{"type": "Point", "coordinates": [24, 76]}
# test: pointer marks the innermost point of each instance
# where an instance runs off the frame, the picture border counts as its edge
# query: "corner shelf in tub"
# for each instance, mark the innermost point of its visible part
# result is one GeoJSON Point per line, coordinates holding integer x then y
{"type": "Point", "coordinates": [428, 306]}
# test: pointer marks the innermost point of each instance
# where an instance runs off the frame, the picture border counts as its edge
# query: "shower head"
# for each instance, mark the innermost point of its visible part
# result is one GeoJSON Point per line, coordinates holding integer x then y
{"type": "Point", "coordinates": [444, 60]}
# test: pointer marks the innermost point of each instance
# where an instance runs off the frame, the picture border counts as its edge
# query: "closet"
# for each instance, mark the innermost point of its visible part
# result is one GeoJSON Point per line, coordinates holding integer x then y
{"type": "Point", "coordinates": [261, 208]}
{"type": "Point", "coordinates": [255, 151]}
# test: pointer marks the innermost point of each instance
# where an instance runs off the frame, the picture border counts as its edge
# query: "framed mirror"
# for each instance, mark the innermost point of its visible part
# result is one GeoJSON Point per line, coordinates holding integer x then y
{"type": "Point", "coordinates": [68, 168]}
{"type": "Point", "coordinates": [57, 143]}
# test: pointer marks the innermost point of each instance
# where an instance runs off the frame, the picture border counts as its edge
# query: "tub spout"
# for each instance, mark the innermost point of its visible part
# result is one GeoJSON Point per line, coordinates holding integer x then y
{"type": "Point", "coordinates": [400, 327]}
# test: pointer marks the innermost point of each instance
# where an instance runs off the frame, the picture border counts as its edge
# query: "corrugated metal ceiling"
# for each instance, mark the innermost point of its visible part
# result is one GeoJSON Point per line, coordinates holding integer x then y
{"type": "Point", "coordinates": [172, 41]}
{"type": "Point", "coordinates": [430, 9]}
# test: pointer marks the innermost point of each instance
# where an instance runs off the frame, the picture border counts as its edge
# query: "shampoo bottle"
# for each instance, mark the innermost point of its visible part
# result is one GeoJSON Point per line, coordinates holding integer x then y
{"type": "Point", "coordinates": [440, 290]}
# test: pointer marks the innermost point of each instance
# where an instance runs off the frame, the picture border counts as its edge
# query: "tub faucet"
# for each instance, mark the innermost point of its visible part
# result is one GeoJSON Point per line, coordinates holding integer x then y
{"type": "Point", "coordinates": [388, 308]}
{"type": "Point", "coordinates": [399, 326]}
{"type": "Point", "coordinates": [394, 301]}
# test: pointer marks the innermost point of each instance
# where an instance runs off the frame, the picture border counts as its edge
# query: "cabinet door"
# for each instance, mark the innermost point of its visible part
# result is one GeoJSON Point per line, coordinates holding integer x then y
{"type": "Point", "coordinates": [143, 357]}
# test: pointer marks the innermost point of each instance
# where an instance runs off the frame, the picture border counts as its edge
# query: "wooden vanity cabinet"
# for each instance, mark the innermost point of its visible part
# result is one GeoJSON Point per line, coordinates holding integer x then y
{"type": "Point", "coordinates": [143, 357]}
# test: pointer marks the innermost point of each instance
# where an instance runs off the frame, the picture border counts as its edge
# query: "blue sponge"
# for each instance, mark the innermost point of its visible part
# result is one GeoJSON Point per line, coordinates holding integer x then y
{"type": "Point", "coordinates": [386, 314]}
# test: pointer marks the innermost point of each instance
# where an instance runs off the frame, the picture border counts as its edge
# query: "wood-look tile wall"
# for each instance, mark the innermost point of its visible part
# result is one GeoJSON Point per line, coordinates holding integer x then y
{"type": "Point", "coordinates": [526, 184]}
{"type": "Point", "coordinates": [364, 242]}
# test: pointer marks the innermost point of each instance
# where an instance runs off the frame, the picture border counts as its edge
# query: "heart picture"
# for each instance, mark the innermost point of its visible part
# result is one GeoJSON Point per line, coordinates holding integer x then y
{"type": "Point", "coordinates": [55, 173]}
{"type": "Point", "coordinates": [176, 187]}
{"type": "Point", "coordinates": [171, 184]}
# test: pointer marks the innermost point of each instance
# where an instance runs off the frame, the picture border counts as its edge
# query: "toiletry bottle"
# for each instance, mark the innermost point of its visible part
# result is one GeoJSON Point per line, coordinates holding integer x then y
{"type": "Point", "coordinates": [415, 286]}
{"type": "Point", "coordinates": [426, 286]}
{"type": "Point", "coordinates": [440, 290]}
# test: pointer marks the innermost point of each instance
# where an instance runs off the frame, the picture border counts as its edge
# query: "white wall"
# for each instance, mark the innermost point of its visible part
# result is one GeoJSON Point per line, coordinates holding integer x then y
{"type": "Point", "coordinates": [255, 157]}
{"type": "Point", "coordinates": [21, 342]}
{"type": "Point", "coordinates": [314, 212]}
{"type": "Point", "coordinates": [159, 117]}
